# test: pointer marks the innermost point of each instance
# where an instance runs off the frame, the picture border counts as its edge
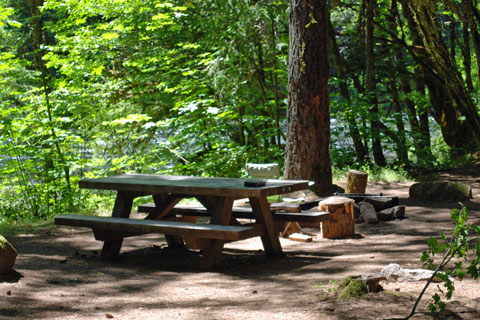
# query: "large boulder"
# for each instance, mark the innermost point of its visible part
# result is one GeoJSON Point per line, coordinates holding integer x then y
{"type": "Point", "coordinates": [8, 254]}
{"type": "Point", "coordinates": [442, 191]}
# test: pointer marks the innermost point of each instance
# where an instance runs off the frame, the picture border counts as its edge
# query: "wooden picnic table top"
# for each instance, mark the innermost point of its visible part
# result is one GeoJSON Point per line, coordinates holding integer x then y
{"type": "Point", "coordinates": [194, 186]}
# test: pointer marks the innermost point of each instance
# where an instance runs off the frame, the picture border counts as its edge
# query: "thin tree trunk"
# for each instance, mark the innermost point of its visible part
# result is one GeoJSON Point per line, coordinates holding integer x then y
{"type": "Point", "coordinates": [416, 114]}
{"type": "Point", "coordinates": [360, 149]}
{"type": "Point", "coordinates": [453, 39]}
{"type": "Point", "coordinates": [401, 138]}
{"type": "Point", "coordinates": [308, 117]}
{"type": "Point", "coordinates": [38, 41]}
{"type": "Point", "coordinates": [276, 91]}
{"type": "Point", "coordinates": [467, 56]}
{"type": "Point", "coordinates": [468, 14]}
{"type": "Point", "coordinates": [371, 85]}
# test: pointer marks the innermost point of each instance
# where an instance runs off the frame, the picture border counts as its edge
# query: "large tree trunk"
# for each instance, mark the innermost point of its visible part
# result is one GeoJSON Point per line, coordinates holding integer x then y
{"type": "Point", "coordinates": [456, 100]}
{"type": "Point", "coordinates": [308, 118]}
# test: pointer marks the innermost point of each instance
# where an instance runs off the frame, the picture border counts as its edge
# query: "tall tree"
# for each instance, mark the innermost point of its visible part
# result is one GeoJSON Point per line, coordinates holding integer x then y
{"type": "Point", "coordinates": [371, 84]}
{"type": "Point", "coordinates": [308, 118]}
{"type": "Point", "coordinates": [464, 133]}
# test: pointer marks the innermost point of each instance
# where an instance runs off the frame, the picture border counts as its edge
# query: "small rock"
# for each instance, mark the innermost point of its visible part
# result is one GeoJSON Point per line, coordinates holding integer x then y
{"type": "Point", "coordinates": [367, 212]}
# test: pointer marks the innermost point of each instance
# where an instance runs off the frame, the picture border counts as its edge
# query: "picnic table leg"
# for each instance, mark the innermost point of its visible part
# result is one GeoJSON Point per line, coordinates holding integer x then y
{"type": "Point", "coordinates": [163, 206]}
{"type": "Point", "coordinates": [121, 209]}
{"type": "Point", "coordinates": [221, 209]}
{"type": "Point", "coordinates": [263, 215]}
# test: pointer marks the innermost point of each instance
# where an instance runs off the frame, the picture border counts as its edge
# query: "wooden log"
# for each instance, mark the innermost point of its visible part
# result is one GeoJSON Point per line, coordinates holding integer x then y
{"type": "Point", "coordinates": [8, 254]}
{"type": "Point", "coordinates": [356, 181]}
{"type": "Point", "coordinates": [290, 228]}
{"type": "Point", "coordinates": [300, 237]}
{"type": "Point", "coordinates": [341, 222]}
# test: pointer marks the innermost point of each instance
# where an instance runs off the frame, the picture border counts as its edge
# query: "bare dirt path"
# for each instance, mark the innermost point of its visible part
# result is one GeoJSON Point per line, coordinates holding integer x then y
{"type": "Point", "coordinates": [64, 277]}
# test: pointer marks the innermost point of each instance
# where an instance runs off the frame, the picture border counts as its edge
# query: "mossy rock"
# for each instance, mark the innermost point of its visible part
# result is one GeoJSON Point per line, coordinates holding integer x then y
{"type": "Point", "coordinates": [8, 254]}
{"type": "Point", "coordinates": [440, 191]}
{"type": "Point", "coordinates": [354, 289]}
{"type": "Point", "coordinates": [344, 283]}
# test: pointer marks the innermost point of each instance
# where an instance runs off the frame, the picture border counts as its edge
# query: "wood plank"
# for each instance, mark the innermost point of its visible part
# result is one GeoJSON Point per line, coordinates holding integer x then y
{"type": "Point", "coordinates": [300, 237]}
{"type": "Point", "coordinates": [186, 210]}
{"type": "Point", "coordinates": [163, 207]}
{"type": "Point", "coordinates": [309, 216]}
{"type": "Point", "coordinates": [243, 212]}
{"type": "Point", "coordinates": [263, 216]}
{"type": "Point", "coordinates": [122, 209]}
{"type": "Point", "coordinates": [194, 186]}
{"type": "Point", "coordinates": [221, 209]}
{"type": "Point", "coordinates": [211, 231]}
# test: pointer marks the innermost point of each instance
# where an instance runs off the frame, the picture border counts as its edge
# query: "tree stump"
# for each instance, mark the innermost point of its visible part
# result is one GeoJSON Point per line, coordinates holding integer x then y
{"type": "Point", "coordinates": [356, 181]}
{"type": "Point", "coordinates": [341, 223]}
{"type": "Point", "coordinates": [8, 254]}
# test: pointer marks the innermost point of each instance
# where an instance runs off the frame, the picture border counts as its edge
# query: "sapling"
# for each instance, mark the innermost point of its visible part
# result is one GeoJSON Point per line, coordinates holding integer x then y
{"type": "Point", "coordinates": [464, 239]}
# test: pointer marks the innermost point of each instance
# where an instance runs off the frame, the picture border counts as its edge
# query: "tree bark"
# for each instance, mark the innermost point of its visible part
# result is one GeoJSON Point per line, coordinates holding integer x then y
{"type": "Point", "coordinates": [468, 14]}
{"type": "Point", "coordinates": [423, 144]}
{"type": "Point", "coordinates": [445, 70]}
{"type": "Point", "coordinates": [308, 118]}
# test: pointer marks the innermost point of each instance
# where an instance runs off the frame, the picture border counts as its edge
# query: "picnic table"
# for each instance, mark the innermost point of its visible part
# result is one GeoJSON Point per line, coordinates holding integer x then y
{"type": "Point", "coordinates": [217, 195]}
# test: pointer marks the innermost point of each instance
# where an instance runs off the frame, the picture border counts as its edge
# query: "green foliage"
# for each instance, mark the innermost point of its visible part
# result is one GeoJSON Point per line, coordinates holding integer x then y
{"type": "Point", "coordinates": [463, 245]}
{"type": "Point", "coordinates": [95, 88]}
{"type": "Point", "coordinates": [376, 174]}
{"type": "Point", "coordinates": [352, 288]}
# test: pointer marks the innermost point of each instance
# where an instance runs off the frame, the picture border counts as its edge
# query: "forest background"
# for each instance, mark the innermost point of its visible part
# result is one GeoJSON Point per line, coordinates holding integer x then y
{"type": "Point", "coordinates": [94, 87]}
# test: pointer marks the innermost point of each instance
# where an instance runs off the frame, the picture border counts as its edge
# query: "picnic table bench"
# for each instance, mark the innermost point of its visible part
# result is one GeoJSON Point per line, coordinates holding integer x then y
{"type": "Point", "coordinates": [279, 213]}
{"type": "Point", "coordinates": [215, 194]}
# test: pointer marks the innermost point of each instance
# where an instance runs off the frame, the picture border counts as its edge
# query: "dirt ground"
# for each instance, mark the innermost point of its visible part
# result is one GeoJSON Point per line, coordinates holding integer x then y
{"type": "Point", "coordinates": [63, 276]}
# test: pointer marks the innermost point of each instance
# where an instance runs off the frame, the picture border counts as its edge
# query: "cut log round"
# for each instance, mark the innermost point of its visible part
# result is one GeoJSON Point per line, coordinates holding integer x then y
{"type": "Point", "coordinates": [8, 254]}
{"type": "Point", "coordinates": [341, 223]}
{"type": "Point", "coordinates": [356, 181]}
